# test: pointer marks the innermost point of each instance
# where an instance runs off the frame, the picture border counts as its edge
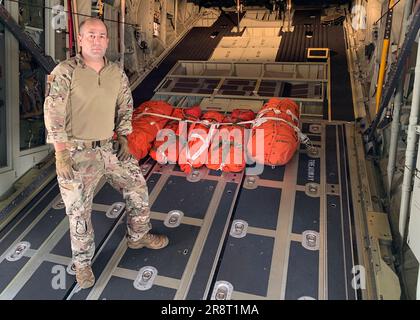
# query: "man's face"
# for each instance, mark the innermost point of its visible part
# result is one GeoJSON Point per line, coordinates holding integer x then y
{"type": "Point", "coordinates": [93, 39]}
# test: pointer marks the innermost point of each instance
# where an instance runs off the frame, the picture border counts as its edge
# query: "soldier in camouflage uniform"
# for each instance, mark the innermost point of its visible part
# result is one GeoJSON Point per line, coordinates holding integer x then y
{"type": "Point", "coordinates": [88, 98]}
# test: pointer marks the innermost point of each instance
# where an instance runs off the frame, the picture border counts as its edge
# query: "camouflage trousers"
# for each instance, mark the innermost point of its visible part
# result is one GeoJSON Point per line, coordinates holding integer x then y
{"type": "Point", "coordinates": [89, 166]}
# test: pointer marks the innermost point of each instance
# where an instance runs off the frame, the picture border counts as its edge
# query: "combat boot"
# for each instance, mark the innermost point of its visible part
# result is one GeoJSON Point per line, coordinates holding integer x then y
{"type": "Point", "coordinates": [85, 277]}
{"type": "Point", "coordinates": [151, 241]}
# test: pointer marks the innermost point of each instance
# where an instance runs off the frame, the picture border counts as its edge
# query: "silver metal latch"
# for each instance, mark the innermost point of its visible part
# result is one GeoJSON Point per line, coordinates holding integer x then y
{"type": "Point", "coordinates": [173, 219]}
{"type": "Point", "coordinates": [115, 209]}
{"type": "Point", "coordinates": [18, 251]}
{"type": "Point", "coordinates": [313, 152]}
{"type": "Point", "coordinates": [145, 278]}
{"type": "Point", "coordinates": [59, 204]}
{"type": "Point", "coordinates": [222, 291]}
{"type": "Point", "coordinates": [196, 174]}
{"type": "Point", "coordinates": [251, 182]}
{"type": "Point", "coordinates": [312, 190]}
{"type": "Point", "coordinates": [239, 228]}
{"type": "Point", "coordinates": [310, 240]}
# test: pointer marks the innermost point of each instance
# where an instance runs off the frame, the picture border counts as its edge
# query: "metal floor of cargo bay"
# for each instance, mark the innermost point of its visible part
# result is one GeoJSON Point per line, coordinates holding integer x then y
{"type": "Point", "coordinates": [287, 233]}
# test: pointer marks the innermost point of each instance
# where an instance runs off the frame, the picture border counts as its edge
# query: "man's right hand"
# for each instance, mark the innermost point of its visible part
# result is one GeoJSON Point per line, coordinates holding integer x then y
{"type": "Point", "coordinates": [63, 164]}
{"type": "Point", "coordinates": [123, 153]}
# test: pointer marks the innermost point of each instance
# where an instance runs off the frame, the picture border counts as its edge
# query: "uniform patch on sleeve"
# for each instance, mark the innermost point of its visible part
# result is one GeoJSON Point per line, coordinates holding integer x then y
{"type": "Point", "coordinates": [50, 79]}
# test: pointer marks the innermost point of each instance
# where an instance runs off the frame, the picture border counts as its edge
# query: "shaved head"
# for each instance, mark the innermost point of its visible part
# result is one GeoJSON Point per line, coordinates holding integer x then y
{"type": "Point", "coordinates": [90, 21]}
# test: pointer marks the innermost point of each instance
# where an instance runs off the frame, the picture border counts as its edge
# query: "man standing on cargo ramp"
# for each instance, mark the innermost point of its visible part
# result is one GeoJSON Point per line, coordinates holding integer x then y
{"type": "Point", "coordinates": [87, 99]}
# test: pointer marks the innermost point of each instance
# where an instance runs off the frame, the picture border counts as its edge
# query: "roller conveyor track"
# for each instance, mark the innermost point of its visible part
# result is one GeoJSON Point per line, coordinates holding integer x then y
{"type": "Point", "coordinates": [297, 243]}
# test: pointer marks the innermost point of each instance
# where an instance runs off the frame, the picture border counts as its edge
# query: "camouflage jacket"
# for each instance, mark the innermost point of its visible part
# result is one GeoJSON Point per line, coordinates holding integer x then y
{"type": "Point", "coordinates": [58, 105]}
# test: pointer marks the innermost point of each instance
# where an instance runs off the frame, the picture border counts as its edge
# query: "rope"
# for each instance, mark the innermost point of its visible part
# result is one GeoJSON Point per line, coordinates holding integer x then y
{"type": "Point", "coordinates": [303, 138]}
{"type": "Point", "coordinates": [205, 142]}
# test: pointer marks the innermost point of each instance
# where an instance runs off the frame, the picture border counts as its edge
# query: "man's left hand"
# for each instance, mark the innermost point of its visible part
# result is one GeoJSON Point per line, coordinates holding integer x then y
{"type": "Point", "coordinates": [123, 153]}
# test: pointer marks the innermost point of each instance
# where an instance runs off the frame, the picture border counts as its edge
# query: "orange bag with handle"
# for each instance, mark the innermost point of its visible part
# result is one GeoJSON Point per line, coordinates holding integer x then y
{"type": "Point", "coordinates": [278, 119]}
{"type": "Point", "coordinates": [195, 153]}
{"type": "Point", "coordinates": [138, 145]}
{"type": "Point", "coordinates": [146, 127]}
{"type": "Point", "coordinates": [228, 147]}
{"type": "Point", "coordinates": [171, 135]}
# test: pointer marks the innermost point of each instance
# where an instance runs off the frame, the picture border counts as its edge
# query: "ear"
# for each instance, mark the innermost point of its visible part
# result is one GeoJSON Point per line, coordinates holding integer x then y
{"type": "Point", "coordinates": [79, 39]}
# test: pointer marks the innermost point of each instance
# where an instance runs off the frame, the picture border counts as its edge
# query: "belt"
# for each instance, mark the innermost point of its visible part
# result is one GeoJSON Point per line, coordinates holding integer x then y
{"type": "Point", "coordinates": [92, 144]}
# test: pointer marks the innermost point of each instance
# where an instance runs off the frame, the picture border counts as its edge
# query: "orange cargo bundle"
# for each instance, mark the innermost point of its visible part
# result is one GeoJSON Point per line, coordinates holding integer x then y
{"type": "Point", "coordinates": [148, 123]}
{"type": "Point", "coordinates": [194, 155]}
{"type": "Point", "coordinates": [146, 127]}
{"type": "Point", "coordinates": [227, 148]}
{"type": "Point", "coordinates": [138, 145]}
{"type": "Point", "coordinates": [279, 119]}
{"type": "Point", "coordinates": [171, 135]}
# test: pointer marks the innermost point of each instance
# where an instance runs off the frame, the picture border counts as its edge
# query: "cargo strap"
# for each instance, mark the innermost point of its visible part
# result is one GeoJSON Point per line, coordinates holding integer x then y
{"type": "Point", "coordinates": [205, 122]}
{"type": "Point", "coordinates": [205, 142]}
{"type": "Point", "coordinates": [260, 119]}
{"type": "Point", "coordinates": [226, 151]}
